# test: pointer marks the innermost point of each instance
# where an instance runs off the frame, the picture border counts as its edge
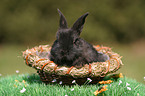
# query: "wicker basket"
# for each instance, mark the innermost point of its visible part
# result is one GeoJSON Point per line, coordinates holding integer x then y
{"type": "Point", "coordinates": [38, 58]}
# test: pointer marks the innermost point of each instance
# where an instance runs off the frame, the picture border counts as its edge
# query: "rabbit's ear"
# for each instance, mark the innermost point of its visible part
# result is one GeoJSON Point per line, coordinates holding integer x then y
{"type": "Point", "coordinates": [62, 22]}
{"type": "Point", "coordinates": [78, 25]}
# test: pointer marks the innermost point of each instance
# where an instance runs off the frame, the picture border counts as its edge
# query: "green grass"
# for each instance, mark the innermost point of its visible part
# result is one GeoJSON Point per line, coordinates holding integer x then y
{"type": "Point", "coordinates": [34, 87]}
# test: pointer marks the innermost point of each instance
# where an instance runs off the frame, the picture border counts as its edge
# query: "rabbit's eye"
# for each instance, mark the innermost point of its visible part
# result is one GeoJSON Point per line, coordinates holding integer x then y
{"type": "Point", "coordinates": [75, 41]}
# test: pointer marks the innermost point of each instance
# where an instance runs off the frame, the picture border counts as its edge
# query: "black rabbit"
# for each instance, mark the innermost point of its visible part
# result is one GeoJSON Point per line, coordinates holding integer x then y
{"type": "Point", "coordinates": [71, 50]}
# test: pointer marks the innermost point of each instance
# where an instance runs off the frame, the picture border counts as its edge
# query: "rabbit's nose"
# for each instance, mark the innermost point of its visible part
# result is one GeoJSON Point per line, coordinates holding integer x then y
{"type": "Point", "coordinates": [64, 52]}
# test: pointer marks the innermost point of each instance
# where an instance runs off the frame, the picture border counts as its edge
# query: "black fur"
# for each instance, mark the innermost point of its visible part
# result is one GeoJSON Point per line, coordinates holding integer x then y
{"type": "Point", "coordinates": [71, 50]}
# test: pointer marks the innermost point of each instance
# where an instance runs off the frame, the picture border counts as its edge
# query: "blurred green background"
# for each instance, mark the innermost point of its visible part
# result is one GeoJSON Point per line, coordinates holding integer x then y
{"type": "Point", "coordinates": [119, 24]}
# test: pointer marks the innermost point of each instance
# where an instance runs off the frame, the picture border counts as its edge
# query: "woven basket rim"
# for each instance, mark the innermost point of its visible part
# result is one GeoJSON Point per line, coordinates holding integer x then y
{"type": "Point", "coordinates": [95, 69]}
